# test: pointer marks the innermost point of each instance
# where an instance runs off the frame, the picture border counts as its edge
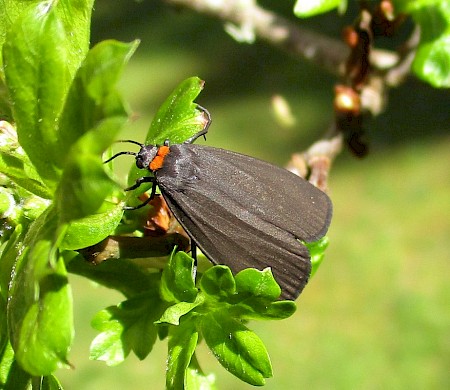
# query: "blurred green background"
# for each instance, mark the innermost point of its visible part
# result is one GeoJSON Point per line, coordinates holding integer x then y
{"type": "Point", "coordinates": [377, 314]}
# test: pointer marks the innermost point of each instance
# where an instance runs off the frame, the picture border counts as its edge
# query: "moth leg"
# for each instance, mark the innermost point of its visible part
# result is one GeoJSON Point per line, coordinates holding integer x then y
{"type": "Point", "coordinates": [194, 256]}
{"type": "Point", "coordinates": [141, 180]}
{"type": "Point", "coordinates": [205, 128]}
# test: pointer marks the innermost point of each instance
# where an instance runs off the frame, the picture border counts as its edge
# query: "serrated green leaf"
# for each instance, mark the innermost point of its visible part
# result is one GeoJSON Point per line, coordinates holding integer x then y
{"type": "Point", "coordinates": [237, 348]}
{"type": "Point", "coordinates": [108, 346]}
{"type": "Point", "coordinates": [142, 336]}
{"type": "Point", "coordinates": [181, 346]}
{"type": "Point", "coordinates": [218, 281]}
{"type": "Point", "coordinates": [308, 8]}
{"type": "Point", "coordinates": [128, 326]}
{"type": "Point", "coordinates": [173, 313]}
{"type": "Point", "coordinates": [257, 283]}
{"type": "Point", "coordinates": [40, 302]}
{"type": "Point", "coordinates": [177, 281]}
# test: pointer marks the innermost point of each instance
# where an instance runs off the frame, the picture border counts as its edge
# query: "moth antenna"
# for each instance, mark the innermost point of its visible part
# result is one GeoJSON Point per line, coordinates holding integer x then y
{"type": "Point", "coordinates": [117, 155]}
{"type": "Point", "coordinates": [121, 153]}
{"type": "Point", "coordinates": [130, 141]}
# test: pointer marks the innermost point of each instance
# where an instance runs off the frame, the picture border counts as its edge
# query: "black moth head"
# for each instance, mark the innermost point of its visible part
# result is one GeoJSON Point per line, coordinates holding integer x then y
{"type": "Point", "coordinates": [145, 156]}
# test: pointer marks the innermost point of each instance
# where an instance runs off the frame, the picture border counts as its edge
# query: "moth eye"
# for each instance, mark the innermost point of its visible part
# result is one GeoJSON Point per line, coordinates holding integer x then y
{"type": "Point", "coordinates": [140, 162]}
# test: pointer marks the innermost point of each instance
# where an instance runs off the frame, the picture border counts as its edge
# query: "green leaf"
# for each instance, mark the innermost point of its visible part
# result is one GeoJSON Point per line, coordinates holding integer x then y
{"type": "Point", "coordinates": [317, 252]}
{"type": "Point", "coordinates": [173, 313]}
{"type": "Point", "coordinates": [85, 184]}
{"type": "Point", "coordinates": [237, 348]}
{"type": "Point", "coordinates": [75, 16]}
{"type": "Point", "coordinates": [11, 374]}
{"type": "Point", "coordinates": [5, 103]}
{"type": "Point", "coordinates": [257, 297]}
{"type": "Point", "coordinates": [122, 275]}
{"type": "Point", "coordinates": [177, 120]}
{"type": "Point", "coordinates": [23, 174]}
{"type": "Point", "coordinates": [16, 165]}
{"type": "Point", "coordinates": [91, 120]}
{"type": "Point", "coordinates": [257, 284]}
{"type": "Point", "coordinates": [40, 302]}
{"type": "Point", "coordinates": [260, 309]}
{"type": "Point", "coordinates": [218, 281]}
{"type": "Point", "coordinates": [178, 117]}
{"type": "Point", "coordinates": [37, 77]}
{"type": "Point", "coordinates": [3, 323]}
{"type": "Point", "coordinates": [196, 379]}
{"type": "Point", "coordinates": [8, 257]}
{"type": "Point", "coordinates": [7, 202]}
{"type": "Point", "coordinates": [308, 8]}
{"type": "Point", "coordinates": [128, 326]}
{"type": "Point", "coordinates": [51, 383]}
{"type": "Point", "coordinates": [177, 281]}
{"type": "Point", "coordinates": [41, 55]}
{"type": "Point", "coordinates": [181, 346]}
{"type": "Point", "coordinates": [432, 60]}
{"type": "Point", "coordinates": [83, 189]}
{"type": "Point", "coordinates": [279, 310]}
{"type": "Point", "coordinates": [32, 207]}
{"type": "Point", "coordinates": [90, 230]}
{"type": "Point", "coordinates": [108, 346]}
{"type": "Point", "coordinates": [93, 96]}
{"type": "Point", "coordinates": [218, 311]}
{"type": "Point", "coordinates": [409, 6]}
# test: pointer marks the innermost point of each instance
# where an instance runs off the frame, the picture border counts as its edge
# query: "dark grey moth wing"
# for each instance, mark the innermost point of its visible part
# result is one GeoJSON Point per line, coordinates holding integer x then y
{"type": "Point", "coordinates": [244, 212]}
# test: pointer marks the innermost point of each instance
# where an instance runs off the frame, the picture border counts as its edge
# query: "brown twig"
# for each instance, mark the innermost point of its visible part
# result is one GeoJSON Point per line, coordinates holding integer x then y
{"type": "Point", "coordinates": [329, 53]}
{"type": "Point", "coordinates": [126, 247]}
{"type": "Point", "coordinates": [316, 161]}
